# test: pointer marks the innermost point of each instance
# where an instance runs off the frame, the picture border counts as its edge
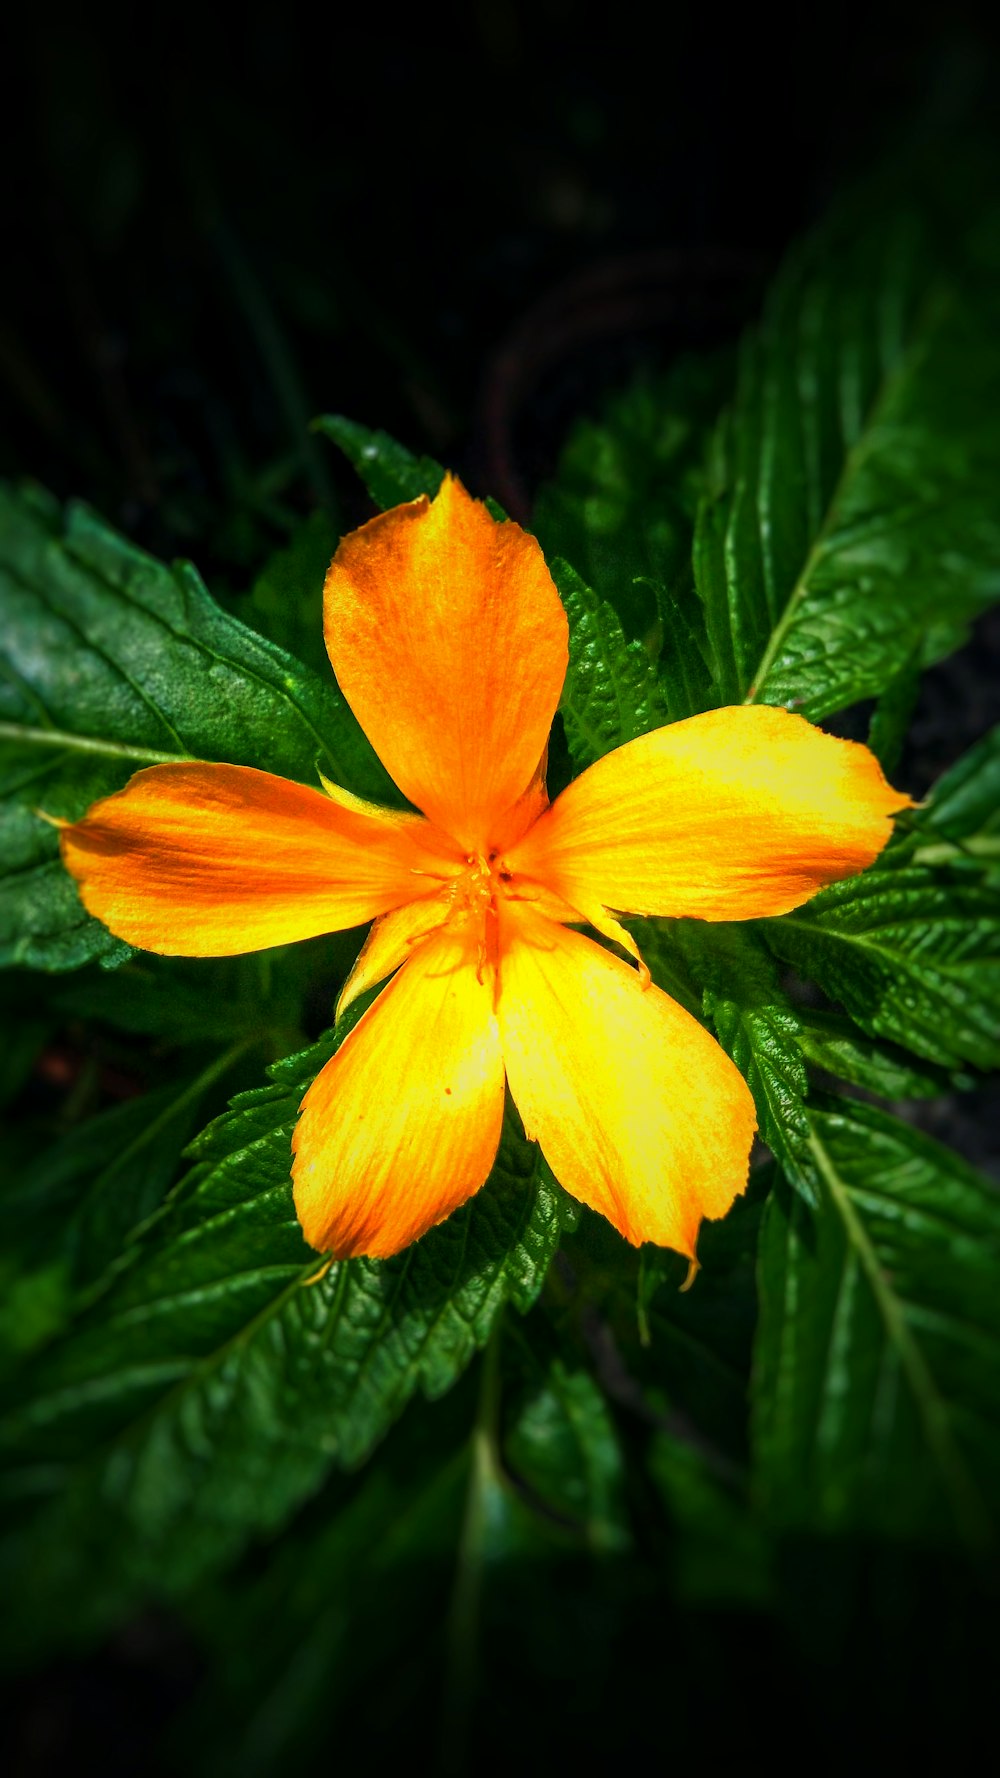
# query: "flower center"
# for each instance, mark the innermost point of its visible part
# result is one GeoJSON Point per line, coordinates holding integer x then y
{"type": "Point", "coordinates": [472, 898]}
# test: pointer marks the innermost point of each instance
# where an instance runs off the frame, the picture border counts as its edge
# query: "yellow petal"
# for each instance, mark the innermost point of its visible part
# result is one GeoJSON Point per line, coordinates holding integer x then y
{"type": "Point", "coordinates": [198, 860]}
{"type": "Point", "coordinates": [638, 1111]}
{"type": "Point", "coordinates": [449, 641]}
{"type": "Point", "coordinates": [402, 1126]}
{"type": "Point", "coordinates": [727, 816]}
{"type": "Point", "coordinates": [389, 944]}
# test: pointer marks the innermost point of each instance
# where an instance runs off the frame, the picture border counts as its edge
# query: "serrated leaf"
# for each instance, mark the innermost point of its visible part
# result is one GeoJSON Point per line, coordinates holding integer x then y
{"type": "Point", "coordinates": [758, 1028]}
{"type": "Point", "coordinates": [959, 824]}
{"type": "Point", "coordinates": [220, 1384]}
{"type": "Point", "coordinates": [877, 1375]}
{"type": "Point", "coordinates": [912, 956]}
{"type": "Point", "coordinates": [669, 962]}
{"type": "Point", "coordinates": [682, 664]}
{"type": "Point", "coordinates": [612, 691]}
{"type": "Point", "coordinates": [857, 527]}
{"type": "Point", "coordinates": [69, 1205]}
{"type": "Point", "coordinates": [390, 472]}
{"type": "Point", "coordinates": [833, 1043]}
{"type": "Point", "coordinates": [622, 503]}
{"type": "Point", "coordinates": [110, 661]}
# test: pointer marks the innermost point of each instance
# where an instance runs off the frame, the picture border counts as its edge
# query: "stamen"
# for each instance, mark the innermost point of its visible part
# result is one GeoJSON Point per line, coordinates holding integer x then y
{"type": "Point", "coordinates": [314, 1277]}
{"type": "Point", "coordinates": [692, 1273]}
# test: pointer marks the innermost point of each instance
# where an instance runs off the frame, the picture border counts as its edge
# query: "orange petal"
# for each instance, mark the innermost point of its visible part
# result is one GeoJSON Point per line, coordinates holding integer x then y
{"type": "Point", "coordinates": [389, 944]}
{"type": "Point", "coordinates": [727, 816]}
{"type": "Point", "coordinates": [198, 860]}
{"type": "Point", "coordinates": [525, 812]}
{"type": "Point", "coordinates": [638, 1111]}
{"type": "Point", "coordinates": [449, 641]}
{"type": "Point", "coordinates": [403, 1124]}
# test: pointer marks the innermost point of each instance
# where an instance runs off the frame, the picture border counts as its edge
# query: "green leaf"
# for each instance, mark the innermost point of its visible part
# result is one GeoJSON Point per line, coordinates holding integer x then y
{"type": "Point", "coordinates": [219, 1383]}
{"type": "Point", "coordinates": [832, 1042]}
{"type": "Point", "coordinates": [682, 663]}
{"type": "Point", "coordinates": [612, 691]}
{"type": "Point", "coordinates": [82, 1196]}
{"type": "Point", "coordinates": [108, 662]}
{"type": "Point", "coordinates": [622, 504]}
{"type": "Point", "coordinates": [720, 1554]}
{"type": "Point", "coordinates": [286, 599]}
{"type": "Point", "coordinates": [911, 955]}
{"type": "Point", "coordinates": [692, 1345]}
{"type": "Point", "coordinates": [758, 1028]}
{"type": "Point", "coordinates": [348, 1604]}
{"type": "Point", "coordinates": [389, 471]}
{"type": "Point", "coordinates": [960, 822]}
{"type": "Point", "coordinates": [28, 1026]}
{"type": "Point", "coordinates": [393, 1590]}
{"type": "Point", "coordinates": [193, 1001]}
{"type": "Point", "coordinates": [560, 1445]}
{"type": "Point", "coordinates": [877, 1377]}
{"type": "Point", "coordinates": [892, 715]}
{"type": "Point", "coordinates": [856, 528]}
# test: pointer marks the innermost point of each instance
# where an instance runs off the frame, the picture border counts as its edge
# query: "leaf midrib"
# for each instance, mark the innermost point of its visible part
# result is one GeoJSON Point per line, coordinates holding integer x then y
{"type": "Point", "coordinates": [951, 990]}
{"type": "Point", "coordinates": [971, 1517]}
{"type": "Point", "coordinates": [890, 381]}
{"type": "Point", "coordinates": [63, 740]}
{"type": "Point", "coordinates": [190, 638]}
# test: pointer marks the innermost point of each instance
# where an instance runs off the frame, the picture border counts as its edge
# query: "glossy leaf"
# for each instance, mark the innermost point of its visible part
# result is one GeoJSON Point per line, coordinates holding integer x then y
{"type": "Point", "coordinates": [959, 824]}
{"type": "Point", "coordinates": [911, 955]}
{"type": "Point", "coordinates": [390, 472]}
{"type": "Point", "coordinates": [108, 662]}
{"type": "Point", "coordinates": [878, 1359]}
{"type": "Point", "coordinates": [832, 1043]}
{"type": "Point", "coordinates": [612, 691]}
{"type": "Point", "coordinates": [622, 503]}
{"type": "Point", "coordinates": [856, 529]}
{"type": "Point", "coordinates": [225, 1371]}
{"type": "Point", "coordinates": [758, 1028]}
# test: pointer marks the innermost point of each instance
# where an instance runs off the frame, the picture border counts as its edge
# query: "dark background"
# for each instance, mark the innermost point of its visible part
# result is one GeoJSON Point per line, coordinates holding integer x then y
{"type": "Point", "coordinates": [464, 225]}
{"type": "Point", "coordinates": [459, 223]}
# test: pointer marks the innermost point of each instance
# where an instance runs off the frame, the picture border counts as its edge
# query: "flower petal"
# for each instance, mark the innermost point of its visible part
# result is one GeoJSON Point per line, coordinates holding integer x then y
{"type": "Point", "coordinates": [449, 641]}
{"type": "Point", "coordinates": [402, 1126]}
{"type": "Point", "coordinates": [198, 860]}
{"type": "Point", "coordinates": [389, 944]}
{"type": "Point", "coordinates": [727, 816]}
{"type": "Point", "coordinates": [638, 1111]}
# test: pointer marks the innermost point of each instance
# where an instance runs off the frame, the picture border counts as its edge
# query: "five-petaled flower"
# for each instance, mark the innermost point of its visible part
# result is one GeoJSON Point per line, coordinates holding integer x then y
{"type": "Point", "coordinates": [449, 642]}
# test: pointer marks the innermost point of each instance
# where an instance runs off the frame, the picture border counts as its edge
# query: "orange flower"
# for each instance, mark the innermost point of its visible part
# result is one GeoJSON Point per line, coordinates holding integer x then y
{"type": "Point", "coordinates": [449, 641]}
